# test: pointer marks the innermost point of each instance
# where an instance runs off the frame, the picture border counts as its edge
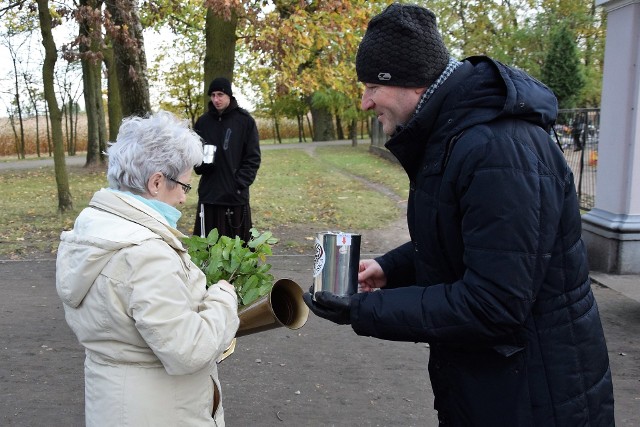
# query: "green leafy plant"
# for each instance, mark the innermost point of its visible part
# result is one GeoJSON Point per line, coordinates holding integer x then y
{"type": "Point", "coordinates": [242, 265]}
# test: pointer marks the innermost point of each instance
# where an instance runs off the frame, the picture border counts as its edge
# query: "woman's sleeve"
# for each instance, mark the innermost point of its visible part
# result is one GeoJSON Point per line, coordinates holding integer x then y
{"type": "Point", "coordinates": [186, 326]}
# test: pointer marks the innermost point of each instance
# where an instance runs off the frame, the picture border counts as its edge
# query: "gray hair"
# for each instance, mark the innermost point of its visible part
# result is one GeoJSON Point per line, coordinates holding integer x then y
{"type": "Point", "coordinates": [145, 145]}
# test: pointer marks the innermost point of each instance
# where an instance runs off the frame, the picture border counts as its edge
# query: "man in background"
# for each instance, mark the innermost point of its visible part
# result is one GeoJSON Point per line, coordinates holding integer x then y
{"type": "Point", "coordinates": [232, 159]}
{"type": "Point", "coordinates": [578, 132]}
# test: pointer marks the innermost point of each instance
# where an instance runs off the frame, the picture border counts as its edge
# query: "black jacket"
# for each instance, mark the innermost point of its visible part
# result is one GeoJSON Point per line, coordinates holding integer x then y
{"type": "Point", "coordinates": [237, 159]}
{"type": "Point", "coordinates": [495, 277]}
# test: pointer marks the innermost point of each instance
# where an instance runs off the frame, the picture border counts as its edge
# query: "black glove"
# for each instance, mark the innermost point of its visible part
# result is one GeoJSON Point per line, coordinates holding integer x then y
{"type": "Point", "coordinates": [330, 306]}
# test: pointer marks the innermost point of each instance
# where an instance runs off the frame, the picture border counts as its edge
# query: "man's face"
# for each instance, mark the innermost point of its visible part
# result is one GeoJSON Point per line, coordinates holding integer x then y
{"type": "Point", "coordinates": [220, 100]}
{"type": "Point", "coordinates": [393, 105]}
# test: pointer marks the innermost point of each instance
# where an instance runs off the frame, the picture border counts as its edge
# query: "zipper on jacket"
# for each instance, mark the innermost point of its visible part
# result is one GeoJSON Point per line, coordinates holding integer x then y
{"type": "Point", "coordinates": [449, 148]}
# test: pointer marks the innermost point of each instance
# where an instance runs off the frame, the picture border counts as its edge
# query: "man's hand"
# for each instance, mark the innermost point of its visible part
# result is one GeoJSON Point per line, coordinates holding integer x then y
{"type": "Point", "coordinates": [330, 306]}
{"type": "Point", "coordinates": [370, 275]}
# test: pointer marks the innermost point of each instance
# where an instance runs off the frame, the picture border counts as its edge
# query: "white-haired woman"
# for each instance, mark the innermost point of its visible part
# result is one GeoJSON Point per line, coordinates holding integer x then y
{"type": "Point", "coordinates": [151, 330]}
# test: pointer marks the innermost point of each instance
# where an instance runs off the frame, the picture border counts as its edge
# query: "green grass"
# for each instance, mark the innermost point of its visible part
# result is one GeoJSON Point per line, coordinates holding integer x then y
{"type": "Point", "coordinates": [29, 218]}
{"type": "Point", "coordinates": [292, 188]}
{"type": "Point", "coordinates": [358, 161]}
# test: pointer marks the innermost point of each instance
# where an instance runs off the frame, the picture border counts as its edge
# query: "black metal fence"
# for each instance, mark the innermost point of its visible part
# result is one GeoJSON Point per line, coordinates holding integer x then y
{"type": "Point", "coordinates": [578, 131]}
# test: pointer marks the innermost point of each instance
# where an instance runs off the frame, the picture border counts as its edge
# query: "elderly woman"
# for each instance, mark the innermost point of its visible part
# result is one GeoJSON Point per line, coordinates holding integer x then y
{"type": "Point", "coordinates": [152, 332]}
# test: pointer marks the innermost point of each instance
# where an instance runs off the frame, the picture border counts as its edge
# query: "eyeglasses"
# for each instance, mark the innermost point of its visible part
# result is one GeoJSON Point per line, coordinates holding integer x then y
{"type": "Point", "coordinates": [185, 187]}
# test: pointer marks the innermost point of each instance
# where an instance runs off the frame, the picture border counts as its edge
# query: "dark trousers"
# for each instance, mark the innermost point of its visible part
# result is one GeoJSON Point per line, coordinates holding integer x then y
{"type": "Point", "coordinates": [578, 143]}
{"type": "Point", "coordinates": [230, 221]}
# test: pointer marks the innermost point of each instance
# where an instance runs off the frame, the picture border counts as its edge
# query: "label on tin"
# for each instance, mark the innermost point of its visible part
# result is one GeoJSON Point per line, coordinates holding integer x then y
{"type": "Point", "coordinates": [343, 239]}
{"type": "Point", "coordinates": [318, 258]}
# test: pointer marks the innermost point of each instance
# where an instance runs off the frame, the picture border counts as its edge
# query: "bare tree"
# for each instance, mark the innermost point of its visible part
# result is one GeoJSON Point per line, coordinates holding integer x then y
{"type": "Point", "coordinates": [51, 55]}
{"type": "Point", "coordinates": [17, 102]}
{"type": "Point", "coordinates": [34, 97]}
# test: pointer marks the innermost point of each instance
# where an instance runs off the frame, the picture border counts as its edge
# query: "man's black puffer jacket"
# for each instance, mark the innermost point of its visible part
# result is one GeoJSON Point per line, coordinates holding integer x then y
{"type": "Point", "coordinates": [496, 276]}
{"type": "Point", "coordinates": [237, 159]}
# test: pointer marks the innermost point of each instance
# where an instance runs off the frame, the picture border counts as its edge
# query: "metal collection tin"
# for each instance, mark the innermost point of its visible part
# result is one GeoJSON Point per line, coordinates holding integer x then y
{"type": "Point", "coordinates": [336, 260]}
{"type": "Point", "coordinates": [209, 153]}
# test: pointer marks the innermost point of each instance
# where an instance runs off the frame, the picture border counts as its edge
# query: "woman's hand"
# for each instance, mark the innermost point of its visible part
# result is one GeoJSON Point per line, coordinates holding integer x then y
{"type": "Point", "coordinates": [370, 276]}
{"type": "Point", "coordinates": [227, 286]}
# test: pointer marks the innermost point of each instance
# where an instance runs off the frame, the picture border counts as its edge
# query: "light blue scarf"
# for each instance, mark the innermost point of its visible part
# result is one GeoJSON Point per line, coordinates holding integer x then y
{"type": "Point", "coordinates": [171, 214]}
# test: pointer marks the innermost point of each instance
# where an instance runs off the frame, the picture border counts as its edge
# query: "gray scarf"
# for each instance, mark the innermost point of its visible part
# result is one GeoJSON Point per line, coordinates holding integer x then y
{"type": "Point", "coordinates": [451, 67]}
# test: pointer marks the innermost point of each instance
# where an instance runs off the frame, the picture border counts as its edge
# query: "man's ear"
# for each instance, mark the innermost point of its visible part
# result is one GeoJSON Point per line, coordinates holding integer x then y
{"type": "Point", "coordinates": [420, 90]}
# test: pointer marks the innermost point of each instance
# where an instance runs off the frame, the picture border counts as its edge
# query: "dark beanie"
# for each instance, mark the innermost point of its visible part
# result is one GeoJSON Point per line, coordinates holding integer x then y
{"type": "Point", "coordinates": [402, 47]}
{"type": "Point", "coordinates": [220, 84]}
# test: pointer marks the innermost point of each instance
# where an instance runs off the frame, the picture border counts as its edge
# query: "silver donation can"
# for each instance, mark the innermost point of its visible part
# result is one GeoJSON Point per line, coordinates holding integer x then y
{"type": "Point", "coordinates": [336, 260]}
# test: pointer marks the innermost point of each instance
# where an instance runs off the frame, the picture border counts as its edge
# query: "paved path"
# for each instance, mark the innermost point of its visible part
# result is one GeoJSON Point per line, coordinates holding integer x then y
{"type": "Point", "coordinates": [320, 375]}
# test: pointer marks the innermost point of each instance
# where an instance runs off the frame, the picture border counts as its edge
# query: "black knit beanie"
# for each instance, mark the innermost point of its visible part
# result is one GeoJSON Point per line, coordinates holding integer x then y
{"type": "Point", "coordinates": [402, 47]}
{"type": "Point", "coordinates": [220, 84]}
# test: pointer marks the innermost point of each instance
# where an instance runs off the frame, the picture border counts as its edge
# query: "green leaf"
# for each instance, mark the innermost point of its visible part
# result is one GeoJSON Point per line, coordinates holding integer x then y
{"type": "Point", "coordinates": [250, 296]}
{"type": "Point", "coordinates": [259, 240]}
{"type": "Point", "coordinates": [251, 283]}
{"type": "Point", "coordinates": [242, 265]}
{"type": "Point", "coordinates": [213, 236]}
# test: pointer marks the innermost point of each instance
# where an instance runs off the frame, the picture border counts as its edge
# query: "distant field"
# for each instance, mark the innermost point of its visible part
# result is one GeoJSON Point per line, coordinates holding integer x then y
{"type": "Point", "coordinates": [10, 139]}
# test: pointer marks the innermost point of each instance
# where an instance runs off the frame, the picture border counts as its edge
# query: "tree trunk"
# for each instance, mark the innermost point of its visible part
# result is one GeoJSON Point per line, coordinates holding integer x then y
{"type": "Point", "coordinates": [102, 124]}
{"type": "Point", "coordinates": [65, 115]}
{"type": "Point", "coordinates": [35, 109]}
{"type": "Point", "coordinates": [88, 79]}
{"type": "Point", "coordinates": [277, 128]}
{"type": "Point", "coordinates": [21, 152]}
{"type": "Point", "coordinates": [339, 127]}
{"type": "Point", "coordinates": [220, 53]}
{"type": "Point", "coordinates": [47, 118]}
{"type": "Point", "coordinates": [114, 106]}
{"type": "Point", "coordinates": [323, 128]}
{"type": "Point", "coordinates": [301, 136]}
{"type": "Point", "coordinates": [51, 54]}
{"type": "Point", "coordinates": [34, 104]}
{"type": "Point", "coordinates": [128, 47]}
{"type": "Point", "coordinates": [16, 140]}
{"type": "Point", "coordinates": [353, 132]}
{"type": "Point", "coordinates": [92, 88]}
{"type": "Point", "coordinates": [76, 108]}
{"type": "Point", "coordinates": [310, 127]}
{"type": "Point", "coordinates": [71, 136]}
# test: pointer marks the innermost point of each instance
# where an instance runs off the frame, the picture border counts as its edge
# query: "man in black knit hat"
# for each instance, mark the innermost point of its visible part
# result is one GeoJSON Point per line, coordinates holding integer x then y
{"type": "Point", "coordinates": [495, 277]}
{"type": "Point", "coordinates": [232, 159]}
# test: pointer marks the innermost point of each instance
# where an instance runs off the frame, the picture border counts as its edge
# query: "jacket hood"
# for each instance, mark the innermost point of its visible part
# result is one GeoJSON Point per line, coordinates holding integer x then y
{"type": "Point", "coordinates": [479, 91]}
{"type": "Point", "coordinates": [112, 221]}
